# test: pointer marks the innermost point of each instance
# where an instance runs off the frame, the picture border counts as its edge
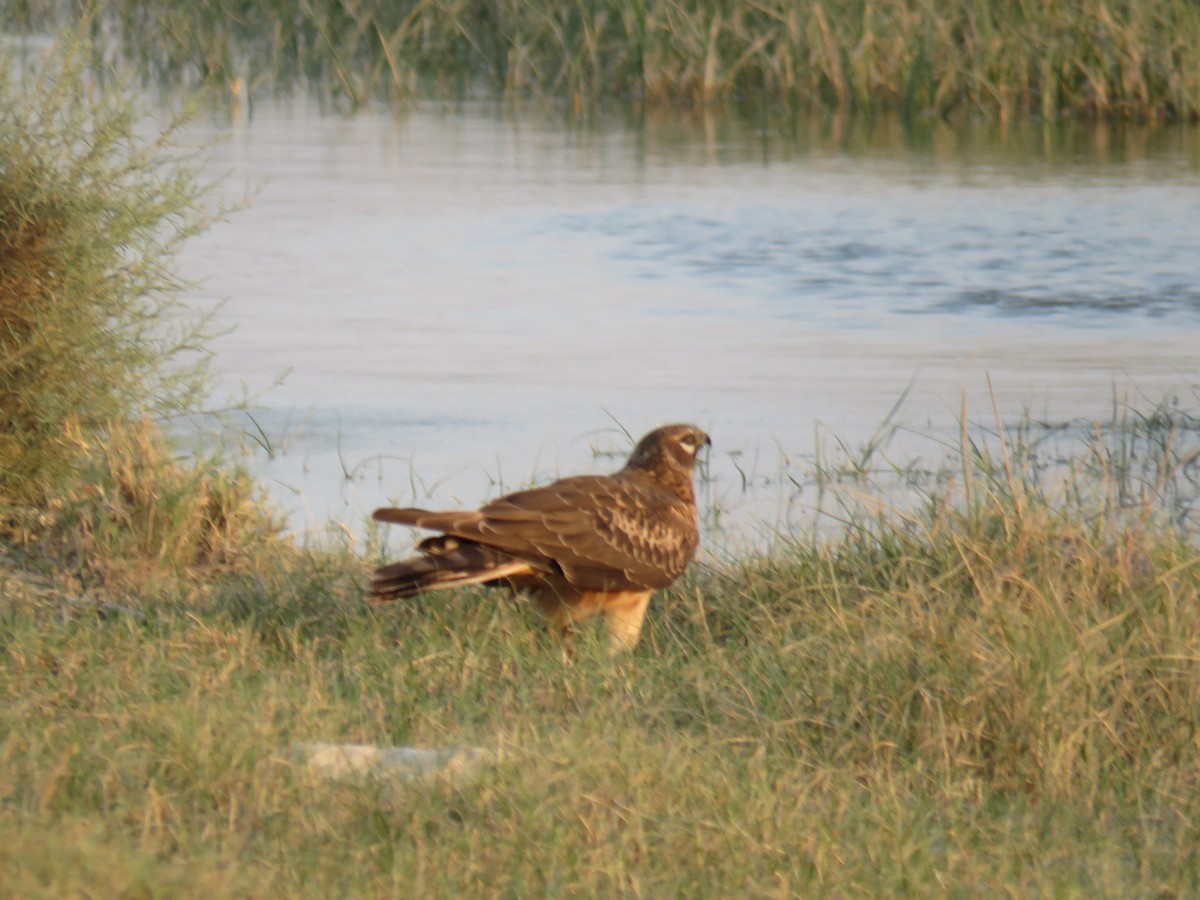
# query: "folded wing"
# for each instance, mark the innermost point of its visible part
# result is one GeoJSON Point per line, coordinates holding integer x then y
{"type": "Point", "coordinates": [608, 533]}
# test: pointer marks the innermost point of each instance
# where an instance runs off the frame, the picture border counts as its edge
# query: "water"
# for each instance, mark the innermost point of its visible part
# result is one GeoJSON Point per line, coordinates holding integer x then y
{"type": "Point", "coordinates": [464, 302]}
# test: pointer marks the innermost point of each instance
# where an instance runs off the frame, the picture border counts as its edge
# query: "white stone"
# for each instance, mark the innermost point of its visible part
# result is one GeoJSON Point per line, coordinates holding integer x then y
{"type": "Point", "coordinates": [366, 762]}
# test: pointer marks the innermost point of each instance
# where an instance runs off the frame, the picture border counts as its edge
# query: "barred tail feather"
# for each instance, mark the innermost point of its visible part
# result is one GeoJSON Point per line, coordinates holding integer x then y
{"type": "Point", "coordinates": [444, 563]}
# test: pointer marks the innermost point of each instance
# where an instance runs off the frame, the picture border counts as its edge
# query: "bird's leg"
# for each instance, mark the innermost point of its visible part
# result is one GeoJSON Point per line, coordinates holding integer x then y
{"type": "Point", "coordinates": [624, 616]}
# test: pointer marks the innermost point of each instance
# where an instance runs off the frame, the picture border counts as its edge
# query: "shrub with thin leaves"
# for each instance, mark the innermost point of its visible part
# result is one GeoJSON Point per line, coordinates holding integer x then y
{"type": "Point", "coordinates": [91, 325]}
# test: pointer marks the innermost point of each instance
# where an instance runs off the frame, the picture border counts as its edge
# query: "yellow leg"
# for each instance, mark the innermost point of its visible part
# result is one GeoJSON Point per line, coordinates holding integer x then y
{"type": "Point", "coordinates": [624, 618]}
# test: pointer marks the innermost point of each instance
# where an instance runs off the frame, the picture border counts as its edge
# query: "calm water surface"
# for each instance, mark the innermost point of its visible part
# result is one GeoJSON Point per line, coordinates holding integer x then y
{"type": "Point", "coordinates": [461, 302]}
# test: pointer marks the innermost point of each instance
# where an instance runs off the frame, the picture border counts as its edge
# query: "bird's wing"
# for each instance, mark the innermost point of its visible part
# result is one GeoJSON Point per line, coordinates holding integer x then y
{"type": "Point", "coordinates": [602, 532]}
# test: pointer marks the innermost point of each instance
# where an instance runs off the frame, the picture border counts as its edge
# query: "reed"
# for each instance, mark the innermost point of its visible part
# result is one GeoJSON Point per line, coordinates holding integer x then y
{"type": "Point", "coordinates": [1002, 58]}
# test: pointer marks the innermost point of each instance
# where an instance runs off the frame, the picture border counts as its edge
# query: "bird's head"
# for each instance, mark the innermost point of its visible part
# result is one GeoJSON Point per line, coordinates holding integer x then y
{"type": "Point", "coordinates": [669, 454]}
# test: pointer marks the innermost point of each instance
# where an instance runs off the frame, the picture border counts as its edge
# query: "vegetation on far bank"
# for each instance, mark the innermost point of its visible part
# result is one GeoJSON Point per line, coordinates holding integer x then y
{"type": "Point", "coordinates": [1003, 58]}
{"type": "Point", "coordinates": [992, 690]}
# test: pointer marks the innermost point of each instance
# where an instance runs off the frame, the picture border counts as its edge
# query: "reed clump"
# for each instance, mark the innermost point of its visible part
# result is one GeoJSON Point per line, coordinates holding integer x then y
{"type": "Point", "coordinates": [1004, 58]}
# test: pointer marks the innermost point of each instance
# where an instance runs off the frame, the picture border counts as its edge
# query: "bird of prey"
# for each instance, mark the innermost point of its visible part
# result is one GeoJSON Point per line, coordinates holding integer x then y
{"type": "Point", "coordinates": [579, 546]}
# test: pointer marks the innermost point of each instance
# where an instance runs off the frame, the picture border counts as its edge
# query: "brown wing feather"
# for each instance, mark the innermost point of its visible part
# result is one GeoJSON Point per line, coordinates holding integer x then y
{"type": "Point", "coordinates": [617, 532]}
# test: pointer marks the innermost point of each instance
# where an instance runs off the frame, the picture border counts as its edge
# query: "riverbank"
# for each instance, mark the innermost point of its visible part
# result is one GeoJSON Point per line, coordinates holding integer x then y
{"type": "Point", "coordinates": [995, 693]}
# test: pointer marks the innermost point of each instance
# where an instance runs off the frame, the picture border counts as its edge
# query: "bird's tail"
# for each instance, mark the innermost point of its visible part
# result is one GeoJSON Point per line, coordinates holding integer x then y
{"type": "Point", "coordinates": [445, 562]}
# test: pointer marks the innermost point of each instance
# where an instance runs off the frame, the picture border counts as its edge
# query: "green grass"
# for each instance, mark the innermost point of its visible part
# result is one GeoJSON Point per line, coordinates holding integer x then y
{"type": "Point", "coordinates": [993, 695]}
{"type": "Point", "coordinates": [1005, 58]}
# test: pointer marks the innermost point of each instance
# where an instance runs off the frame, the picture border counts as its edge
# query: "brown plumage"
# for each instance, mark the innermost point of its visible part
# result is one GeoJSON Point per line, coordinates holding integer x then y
{"type": "Point", "coordinates": [579, 546]}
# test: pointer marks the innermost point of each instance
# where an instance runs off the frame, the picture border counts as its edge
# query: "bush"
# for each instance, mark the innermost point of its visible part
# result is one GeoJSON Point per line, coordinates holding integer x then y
{"type": "Point", "coordinates": [92, 330]}
{"type": "Point", "coordinates": [97, 347]}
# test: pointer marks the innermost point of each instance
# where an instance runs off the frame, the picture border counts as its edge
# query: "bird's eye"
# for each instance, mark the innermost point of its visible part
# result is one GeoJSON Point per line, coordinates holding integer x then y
{"type": "Point", "coordinates": [688, 443]}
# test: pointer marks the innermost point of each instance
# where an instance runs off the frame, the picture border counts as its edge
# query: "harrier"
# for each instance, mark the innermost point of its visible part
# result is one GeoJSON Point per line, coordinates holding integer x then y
{"type": "Point", "coordinates": [579, 546]}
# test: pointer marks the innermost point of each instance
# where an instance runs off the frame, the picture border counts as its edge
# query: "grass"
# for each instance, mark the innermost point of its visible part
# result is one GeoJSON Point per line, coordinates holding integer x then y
{"type": "Point", "coordinates": [993, 695]}
{"type": "Point", "coordinates": [1004, 58]}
